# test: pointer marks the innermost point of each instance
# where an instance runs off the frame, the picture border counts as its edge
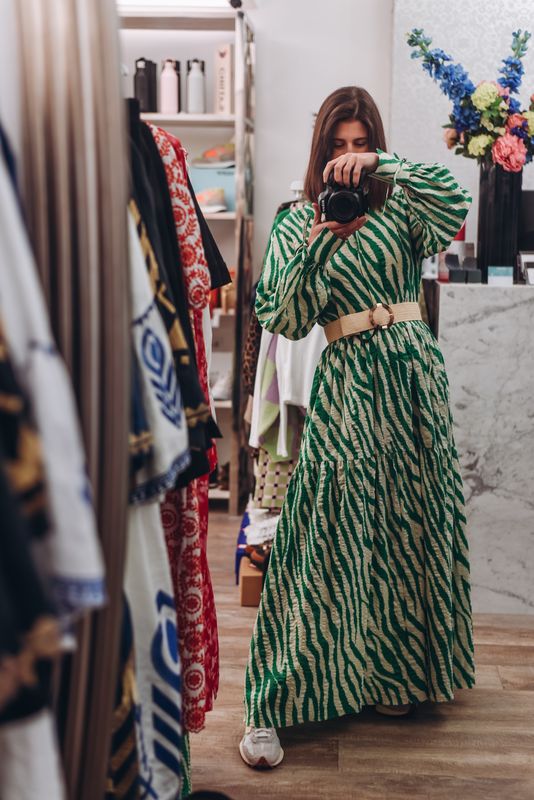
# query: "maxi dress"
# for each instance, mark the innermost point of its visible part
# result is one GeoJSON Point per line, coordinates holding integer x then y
{"type": "Point", "coordinates": [367, 596]}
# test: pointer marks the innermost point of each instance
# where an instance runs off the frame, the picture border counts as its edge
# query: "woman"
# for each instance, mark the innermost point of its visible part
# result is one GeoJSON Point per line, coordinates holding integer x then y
{"type": "Point", "coordinates": [366, 601]}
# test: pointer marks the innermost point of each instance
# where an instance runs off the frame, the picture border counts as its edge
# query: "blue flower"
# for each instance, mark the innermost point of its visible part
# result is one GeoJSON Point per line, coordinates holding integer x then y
{"type": "Point", "coordinates": [439, 55]}
{"type": "Point", "coordinates": [514, 106]}
{"type": "Point", "coordinates": [452, 78]}
{"type": "Point", "coordinates": [519, 132]}
{"type": "Point", "coordinates": [512, 72]}
{"type": "Point", "coordinates": [455, 81]}
{"type": "Point", "coordinates": [466, 117]}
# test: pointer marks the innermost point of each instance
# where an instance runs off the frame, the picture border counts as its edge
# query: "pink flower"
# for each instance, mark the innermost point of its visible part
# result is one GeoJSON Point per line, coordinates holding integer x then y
{"type": "Point", "coordinates": [510, 152]}
{"type": "Point", "coordinates": [515, 121]}
{"type": "Point", "coordinates": [532, 98]}
{"type": "Point", "coordinates": [451, 137]}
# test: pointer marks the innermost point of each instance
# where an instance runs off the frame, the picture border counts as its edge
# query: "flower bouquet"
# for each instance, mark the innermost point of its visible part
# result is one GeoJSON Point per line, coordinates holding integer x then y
{"type": "Point", "coordinates": [486, 122]}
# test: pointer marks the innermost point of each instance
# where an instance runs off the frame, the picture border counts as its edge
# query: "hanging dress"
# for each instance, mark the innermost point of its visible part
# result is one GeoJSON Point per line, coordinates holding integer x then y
{"type": "Point", "coordinates": [185, 511]}
{"type": "Point", "coordinates": [367, 597]}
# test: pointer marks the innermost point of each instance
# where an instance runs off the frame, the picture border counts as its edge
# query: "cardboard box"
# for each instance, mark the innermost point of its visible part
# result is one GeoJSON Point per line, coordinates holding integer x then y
{"type": "Point", "coordinates": [224, 79]}
{"type": "Point", "coordinates": [250, 584]}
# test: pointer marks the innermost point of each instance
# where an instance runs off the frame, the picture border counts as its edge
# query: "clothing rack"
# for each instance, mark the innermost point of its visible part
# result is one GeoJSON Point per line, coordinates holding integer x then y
{"type": "Point", "coordinates": [82, 147]}
{"type": "Point", "coordinates": [74, 188]}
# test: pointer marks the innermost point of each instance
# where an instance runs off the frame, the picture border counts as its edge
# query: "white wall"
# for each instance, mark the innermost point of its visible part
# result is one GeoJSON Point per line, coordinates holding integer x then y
{"type": "Point", "coordinates": [305, 50]}
{"type": "Point", "coordinates": [477, 34]}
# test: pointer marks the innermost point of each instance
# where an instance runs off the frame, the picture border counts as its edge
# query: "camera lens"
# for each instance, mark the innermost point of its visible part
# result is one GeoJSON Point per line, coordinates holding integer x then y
{"type": "Point", "coordinates": [344, 207]}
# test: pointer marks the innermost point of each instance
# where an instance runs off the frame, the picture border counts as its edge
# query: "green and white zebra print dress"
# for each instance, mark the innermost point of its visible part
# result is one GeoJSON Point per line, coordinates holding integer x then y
{"type": "Point", "coordinates": [367, 597]}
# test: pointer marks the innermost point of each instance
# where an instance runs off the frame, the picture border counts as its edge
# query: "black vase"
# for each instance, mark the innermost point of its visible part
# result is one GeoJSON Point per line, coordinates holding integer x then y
{"type": "Point", "coordinates": [499, 205]}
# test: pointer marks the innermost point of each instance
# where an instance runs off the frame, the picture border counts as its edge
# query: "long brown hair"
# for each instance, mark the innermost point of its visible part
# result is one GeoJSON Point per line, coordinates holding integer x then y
{"type": "Point", "coordinates": [347, 103]}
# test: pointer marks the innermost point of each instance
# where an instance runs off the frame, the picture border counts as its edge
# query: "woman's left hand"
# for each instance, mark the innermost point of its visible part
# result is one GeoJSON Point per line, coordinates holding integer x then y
{"type": "Point", "coordinates": [348, 167]}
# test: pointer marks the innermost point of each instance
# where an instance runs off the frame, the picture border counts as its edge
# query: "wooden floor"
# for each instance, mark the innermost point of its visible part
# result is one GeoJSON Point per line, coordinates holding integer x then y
{"type": "Point", "coordinates": [480, 746]}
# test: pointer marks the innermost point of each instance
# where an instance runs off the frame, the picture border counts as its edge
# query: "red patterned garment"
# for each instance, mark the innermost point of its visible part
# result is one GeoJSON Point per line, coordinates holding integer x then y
{"type": "Point", "coordinates": [211, 638]}
{"type": "Point", "coordinates": [185, 511]}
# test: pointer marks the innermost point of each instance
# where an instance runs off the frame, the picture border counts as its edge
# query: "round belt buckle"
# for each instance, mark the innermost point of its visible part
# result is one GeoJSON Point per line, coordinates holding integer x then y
{"type": "Point", "coordinates": [386, 308]}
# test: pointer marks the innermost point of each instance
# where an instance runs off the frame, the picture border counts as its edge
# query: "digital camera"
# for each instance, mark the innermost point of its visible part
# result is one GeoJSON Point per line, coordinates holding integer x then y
{"type": "Point", "coordinates": [341, 204]}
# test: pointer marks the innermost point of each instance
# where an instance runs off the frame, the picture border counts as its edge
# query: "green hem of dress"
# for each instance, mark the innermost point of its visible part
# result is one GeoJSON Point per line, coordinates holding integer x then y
{"type": "Point", "coordinates": [416, 697]}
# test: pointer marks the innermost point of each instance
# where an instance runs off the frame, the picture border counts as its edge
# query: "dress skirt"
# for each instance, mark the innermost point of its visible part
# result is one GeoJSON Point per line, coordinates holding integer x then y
{"type": "Point", "coordinates": [367, 595]}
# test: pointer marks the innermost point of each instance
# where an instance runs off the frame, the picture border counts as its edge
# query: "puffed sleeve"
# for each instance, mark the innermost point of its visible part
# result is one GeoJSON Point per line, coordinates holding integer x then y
{"type": "Point", "coordinates": [436, 204]}
{"type": "Point", "coordinates": [295, 284]}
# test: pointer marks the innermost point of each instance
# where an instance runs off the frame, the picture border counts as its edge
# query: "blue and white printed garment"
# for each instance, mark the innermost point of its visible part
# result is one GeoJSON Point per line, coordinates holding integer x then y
{"type": "Point", "coordinates": [71, 553]}
{"type": "Point", "coordinates": [160, 391]}
{"type": "Point", "coordinates": [149, 591]}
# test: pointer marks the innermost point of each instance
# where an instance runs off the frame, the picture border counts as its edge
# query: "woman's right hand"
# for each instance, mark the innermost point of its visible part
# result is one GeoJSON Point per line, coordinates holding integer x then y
{"type": "Point", "coordinates": [341, 230]}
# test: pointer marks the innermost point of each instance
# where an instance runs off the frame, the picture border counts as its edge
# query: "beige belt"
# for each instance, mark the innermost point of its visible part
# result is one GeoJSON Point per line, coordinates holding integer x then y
{"type": "Point", "coordinates": [381, 315]}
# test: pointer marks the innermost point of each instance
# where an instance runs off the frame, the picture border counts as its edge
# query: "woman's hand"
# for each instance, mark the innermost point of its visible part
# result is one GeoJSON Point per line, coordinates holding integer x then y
{"type": "Point", "coordinates": [347, 168]}
{"type": "Point", "coordinates": [343, 231]}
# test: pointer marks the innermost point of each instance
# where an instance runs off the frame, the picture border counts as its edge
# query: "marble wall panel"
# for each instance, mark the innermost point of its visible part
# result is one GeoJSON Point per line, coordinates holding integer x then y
{"type": "Point", "coordinates": [487, 337]}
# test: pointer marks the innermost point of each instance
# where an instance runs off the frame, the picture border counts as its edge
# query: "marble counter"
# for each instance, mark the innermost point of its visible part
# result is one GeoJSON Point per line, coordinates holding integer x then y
{"type": "Point", "coordinates": [487, 337]}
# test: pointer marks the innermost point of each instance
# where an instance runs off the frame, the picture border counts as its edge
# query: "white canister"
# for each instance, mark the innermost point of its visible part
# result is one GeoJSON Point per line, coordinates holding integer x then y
{"type": "Point", "coordinates": [168, 88]}
{"type": "Point", "coordinates": [195, 89]}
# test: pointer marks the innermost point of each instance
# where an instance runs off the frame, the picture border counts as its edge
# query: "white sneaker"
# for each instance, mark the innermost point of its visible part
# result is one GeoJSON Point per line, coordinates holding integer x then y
{"type": "Point", "coordinates": [395, 711]}
{"type": "Point", "coordinates": [260, 747]}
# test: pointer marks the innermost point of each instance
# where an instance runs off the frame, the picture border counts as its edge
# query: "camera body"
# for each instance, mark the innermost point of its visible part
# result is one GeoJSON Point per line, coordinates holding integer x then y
{"type": "Point", "coordinates": [341, 204]}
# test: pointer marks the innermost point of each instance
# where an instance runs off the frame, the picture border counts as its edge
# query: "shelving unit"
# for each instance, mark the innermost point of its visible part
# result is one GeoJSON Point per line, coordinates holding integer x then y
{"type": "Point", "coordinates": [191, 120]}
{"type": "Point", "coordinates": [223, 403]}
{"type": "Point", "coordinates": [184, 120]}
{"type": "Point", "coordinates": [160, 20]}
{"type": "Point", "coordinates": [152, 17]}
{"type": "Point", "coordinates": [220, 494]}
{"type": "Point", "coordinates": [221, 216]}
